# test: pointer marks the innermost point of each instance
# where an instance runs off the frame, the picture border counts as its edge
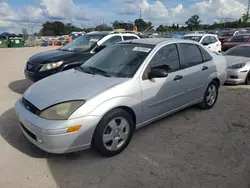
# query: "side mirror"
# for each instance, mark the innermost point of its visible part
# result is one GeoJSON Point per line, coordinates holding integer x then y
{"type": "Point", "coordinates": [205, 44]}
{"type": "Point", "coordinates": [157, 73]}
{"type": "Point", "coordinates": [99, 48]}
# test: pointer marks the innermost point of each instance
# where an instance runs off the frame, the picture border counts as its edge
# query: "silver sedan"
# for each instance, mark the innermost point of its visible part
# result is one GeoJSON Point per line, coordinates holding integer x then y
{"type": "Point", "coordinates": [120, 89]}
{"type": "Point", "coordinates": [238, 64]}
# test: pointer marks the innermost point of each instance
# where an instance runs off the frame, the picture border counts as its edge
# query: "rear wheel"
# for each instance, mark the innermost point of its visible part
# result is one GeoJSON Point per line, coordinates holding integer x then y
{"type": "Point", "coordinates": [210, 96]}
{"type": "Point", "coordinates": [248, 79]}
{"type": "Point", "coordinates": [113, 133]}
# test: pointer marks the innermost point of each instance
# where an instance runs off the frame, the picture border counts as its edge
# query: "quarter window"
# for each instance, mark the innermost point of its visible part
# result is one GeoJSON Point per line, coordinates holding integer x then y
{"type": "Point", "coordinates": [166, 58]}
{"type": "Point", "coordinates": [191, 55]}
{"type": "Point", "coordinates": [206, 56]}
{"type": "Point", "coordinates": [113, 40]}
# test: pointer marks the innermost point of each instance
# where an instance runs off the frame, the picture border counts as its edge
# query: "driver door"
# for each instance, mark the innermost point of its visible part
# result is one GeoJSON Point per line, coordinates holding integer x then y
{"type": "Point", "coordinates": [162, 95]}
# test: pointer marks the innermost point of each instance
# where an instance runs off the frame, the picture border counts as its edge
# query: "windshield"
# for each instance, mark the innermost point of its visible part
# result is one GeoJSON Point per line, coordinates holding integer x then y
{"type": "Point", "coordinates": [239, 51]}
{"type": "Point", "coordinates": [82, 43]}
{"type": "Point", "coordinates": [195, 38]}
{"type": "Point", "coordinates": [240, 38]}
{"type": "Point", "coordinates": [120, 60]}
{"type": "Point", "coordinates": [226, 33]}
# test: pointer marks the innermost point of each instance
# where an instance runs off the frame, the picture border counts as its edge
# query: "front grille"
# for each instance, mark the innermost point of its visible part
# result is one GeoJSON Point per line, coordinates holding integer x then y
{"type": "Point", "coordinates": [32, 67]}
{"type": "Point", "coordinates": [28, 132]}
{"type": "Point", "coordinates": [30, 107]}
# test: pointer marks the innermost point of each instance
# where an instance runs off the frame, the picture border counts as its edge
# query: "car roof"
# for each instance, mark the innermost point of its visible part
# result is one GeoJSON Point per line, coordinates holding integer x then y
{"type": "Point", "coordinates": [244, 45]}
{"type": "Point", "coordinates": [158, 41]}
{"type": "Point", "coordinates": [109, 33]}
{"type": "Point", "coordinates": [199, 35]}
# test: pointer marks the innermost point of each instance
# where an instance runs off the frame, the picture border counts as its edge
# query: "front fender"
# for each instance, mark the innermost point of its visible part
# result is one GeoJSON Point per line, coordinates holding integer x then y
{"type": "Point", "coordinates": [101, 109]}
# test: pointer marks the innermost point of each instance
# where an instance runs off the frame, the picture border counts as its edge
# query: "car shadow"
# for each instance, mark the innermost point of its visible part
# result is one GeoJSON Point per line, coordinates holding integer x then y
{"type": "Point", "coordinates": [20, 86]}
{"type": "Point", "coordinates": [11, 133]}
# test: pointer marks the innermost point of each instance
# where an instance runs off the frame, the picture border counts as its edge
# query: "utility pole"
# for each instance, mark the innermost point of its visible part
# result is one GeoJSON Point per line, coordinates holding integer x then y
{"type": "Point", "coordinates": [248, 6]}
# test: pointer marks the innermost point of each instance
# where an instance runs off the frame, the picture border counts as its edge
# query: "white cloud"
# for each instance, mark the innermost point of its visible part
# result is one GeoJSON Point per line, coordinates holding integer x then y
{"type": "Point", "coordinates": [58, 9]}
{"type": "Point", "coordinates": [155, 11]}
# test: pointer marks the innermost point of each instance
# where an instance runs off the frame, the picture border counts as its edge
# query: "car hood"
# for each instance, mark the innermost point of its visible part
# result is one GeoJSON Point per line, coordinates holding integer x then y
{"type": "Point", "coordinates": [66, 86]}
{"type": "Point", "coordinates": [231, 60]}
{"type": "Point", "coordinates": [53, 56]}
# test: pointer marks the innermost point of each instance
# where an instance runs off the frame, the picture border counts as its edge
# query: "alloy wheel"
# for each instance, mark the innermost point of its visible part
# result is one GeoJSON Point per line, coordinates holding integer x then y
{"type": "Point", "coordinates": [116, 133]}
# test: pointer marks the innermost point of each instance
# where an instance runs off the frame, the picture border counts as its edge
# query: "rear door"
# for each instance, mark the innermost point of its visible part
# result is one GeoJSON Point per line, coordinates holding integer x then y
{"type": "Point", "coordinates": [198, 65]}
{"type": "Point", "coordinates": [161, 95]}
{"type": "Point", "coordinates": [215, 44]}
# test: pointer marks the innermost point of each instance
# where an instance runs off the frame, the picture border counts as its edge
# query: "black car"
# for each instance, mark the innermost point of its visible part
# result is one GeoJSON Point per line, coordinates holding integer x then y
{"type": "Point", "coordinates": [72, 54]}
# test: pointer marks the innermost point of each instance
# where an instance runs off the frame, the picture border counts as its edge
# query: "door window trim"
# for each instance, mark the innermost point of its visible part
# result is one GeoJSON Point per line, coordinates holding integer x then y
{"type": "Point", "coordinates": [146, 70]}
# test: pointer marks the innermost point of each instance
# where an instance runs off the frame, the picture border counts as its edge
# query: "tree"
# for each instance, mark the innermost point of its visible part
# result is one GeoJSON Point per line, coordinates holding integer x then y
{"type": "Point", "coordinates": [245, 17]}
{"type": "Point", "coordinates": [142, 25]}
{"type": "Point", "coordinates": [25, 33]}
{"type": "Point", "coordinates": [193, 22]}
{"type": "Point", "coordinates": [58, 28]}
{"type": "Point", "coordinates": [103, 27]}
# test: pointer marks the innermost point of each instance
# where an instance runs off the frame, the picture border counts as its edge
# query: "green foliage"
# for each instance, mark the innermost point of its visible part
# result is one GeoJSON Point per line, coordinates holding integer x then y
{"type": "Point", "coordinates": [193, 23]}
{"type": "Point", "coordinates": [142, 25]}
{"type": "Point", "coordinates": [103, 27]}
{"type": "Point", "coordinates": [57, 28]}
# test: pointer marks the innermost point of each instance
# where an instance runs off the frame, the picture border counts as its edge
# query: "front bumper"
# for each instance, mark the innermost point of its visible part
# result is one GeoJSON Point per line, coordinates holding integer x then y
{"type": "Point", "coordinates": [52, 136]}
{"type": "Point", "coordinates": [236, 76]}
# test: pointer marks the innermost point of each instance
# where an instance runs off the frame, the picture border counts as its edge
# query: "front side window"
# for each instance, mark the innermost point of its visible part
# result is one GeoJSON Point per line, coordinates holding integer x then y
{"type": "Point", "coordinates": [120, 60]}
{"type": "Point", "coordinates": [82, 43]}
{"type": "Point", "coordinates": [113, 40]}
{"type": "Point", "coordinates": [166, 58]}
{"type": "Point", "coordinates": [191, 55]}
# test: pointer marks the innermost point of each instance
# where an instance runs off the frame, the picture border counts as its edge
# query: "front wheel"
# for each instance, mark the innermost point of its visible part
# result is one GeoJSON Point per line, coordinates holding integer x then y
{"type": "Point", "coordinates": [113, 133]}
{"type": "Point", "coordinates": [210, 96]}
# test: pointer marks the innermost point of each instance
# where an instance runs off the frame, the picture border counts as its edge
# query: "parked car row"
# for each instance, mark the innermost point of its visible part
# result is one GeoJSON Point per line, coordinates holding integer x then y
{"type": "Point", "coordinates": [120, 83]}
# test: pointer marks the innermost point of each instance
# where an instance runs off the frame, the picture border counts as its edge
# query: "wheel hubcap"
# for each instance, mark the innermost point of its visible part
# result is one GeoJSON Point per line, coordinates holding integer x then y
{"type": "Point", "coordinates": [116, 133]}
{"type": "Point", "coordinates": [211, 95]}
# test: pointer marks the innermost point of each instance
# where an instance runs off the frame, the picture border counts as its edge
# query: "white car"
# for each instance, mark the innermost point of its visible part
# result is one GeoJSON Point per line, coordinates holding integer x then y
{"type": "Point", "coordinates": [209, 40]}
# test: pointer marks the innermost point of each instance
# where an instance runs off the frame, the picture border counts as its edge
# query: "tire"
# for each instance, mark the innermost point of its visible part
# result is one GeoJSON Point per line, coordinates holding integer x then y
{"type": "Point", "coordinates": [117, 127]}
{"type": "Point", "coordinates": [247, 82]}
{"type": "Point", "coordinates": [208, 104]}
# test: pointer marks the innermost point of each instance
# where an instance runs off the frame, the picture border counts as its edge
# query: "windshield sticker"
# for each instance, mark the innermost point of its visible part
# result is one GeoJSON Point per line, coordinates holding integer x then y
{"type": "Point", "coordinates": [142, 49]}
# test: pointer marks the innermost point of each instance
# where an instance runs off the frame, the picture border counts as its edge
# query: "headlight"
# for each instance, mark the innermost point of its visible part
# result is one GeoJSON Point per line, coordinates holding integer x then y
{"type": "Point", "coordinates": [237, 66]}
{"type": "Point", "coordinates": [50, 66]}
{"type": "Point", "coordinates": [61, 111]}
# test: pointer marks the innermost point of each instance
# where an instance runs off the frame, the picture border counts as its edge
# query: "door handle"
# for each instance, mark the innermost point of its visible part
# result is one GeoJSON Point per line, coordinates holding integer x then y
{"type": "Point", "coordinates": [204, 68]}
{"type": "Point", "coordinates": [178, 77]}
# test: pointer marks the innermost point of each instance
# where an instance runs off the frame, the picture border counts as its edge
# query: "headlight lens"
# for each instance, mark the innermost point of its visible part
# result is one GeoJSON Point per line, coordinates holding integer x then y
{"type": "Point", "coordinates": [50, 66]}
{"type": "Point", "coordinates": [61, 111]}
{"type": "Point", "coordinates": [237, 66]}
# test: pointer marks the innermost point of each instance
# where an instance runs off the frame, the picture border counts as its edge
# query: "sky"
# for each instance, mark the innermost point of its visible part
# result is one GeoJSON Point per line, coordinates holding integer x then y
{"type": "Point", "coordinates": [17, 14]}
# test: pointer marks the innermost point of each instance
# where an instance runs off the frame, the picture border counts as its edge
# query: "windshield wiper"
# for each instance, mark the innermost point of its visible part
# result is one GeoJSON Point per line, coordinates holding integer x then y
{"type": "Point", "coordinates": [99, 71]}
{"type": "Point", "coordinates": [81, 69]}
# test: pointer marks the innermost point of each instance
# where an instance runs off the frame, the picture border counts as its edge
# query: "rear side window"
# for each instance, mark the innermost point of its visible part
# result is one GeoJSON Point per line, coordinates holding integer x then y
{"type": "Point", "coordinates": [191, 55]}
{"type": "Point", "coordinates": [129, 37]}
{"type": "Point", "coordinates": [206, 56]}
{"type": "Point", "coordinates": [113, 40]}
{"type": "Point", "coordinates": [213, 39]}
